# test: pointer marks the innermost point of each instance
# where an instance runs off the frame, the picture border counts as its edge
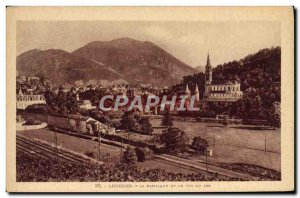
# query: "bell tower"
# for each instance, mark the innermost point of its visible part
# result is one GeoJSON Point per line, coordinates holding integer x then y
{"type": "Point", "coordinates": [208, 72]}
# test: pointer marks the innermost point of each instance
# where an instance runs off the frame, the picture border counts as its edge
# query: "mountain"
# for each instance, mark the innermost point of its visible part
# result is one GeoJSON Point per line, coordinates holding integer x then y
{"type": "Point", "coordinates": [121, 60]}
{"type": "Point", "coordinates": [62, 67]}
{"type": "Point", "coordinates": [137, 61]}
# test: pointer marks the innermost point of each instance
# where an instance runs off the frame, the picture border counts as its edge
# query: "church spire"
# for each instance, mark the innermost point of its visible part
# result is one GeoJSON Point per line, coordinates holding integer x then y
{"type": "Point", "coordinates": [196, 89]}
{"type": "Point", "coordinates": [187, 90]}
{"type": "Point", "coordinates": [20, 92]}
{"type": "Point", "coordinates": [208, 71]}
{"type": "Point", "coordinates": [197, 95]}
{"type": "Point", "coordinates": [208, 61]}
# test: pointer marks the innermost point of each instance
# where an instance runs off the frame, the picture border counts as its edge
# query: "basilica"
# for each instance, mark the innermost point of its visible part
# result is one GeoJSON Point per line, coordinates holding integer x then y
{"type": "Point", "coordinates": [220, 92]}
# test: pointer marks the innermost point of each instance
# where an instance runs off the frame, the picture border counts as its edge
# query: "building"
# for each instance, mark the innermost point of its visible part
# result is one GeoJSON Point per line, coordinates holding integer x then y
{"type": "Point", "coordinates": [220, 92]}
{"type": "Point", "coordinates": [131, 93]}
{"type": "Point", "coordinates": [86, 104]}
{"type": "Point", "coordinates": [79, 124]}
{"type": "Point", "coordinates": [189, 96]}
{"type": "Point", "coordinates": [25, 100]}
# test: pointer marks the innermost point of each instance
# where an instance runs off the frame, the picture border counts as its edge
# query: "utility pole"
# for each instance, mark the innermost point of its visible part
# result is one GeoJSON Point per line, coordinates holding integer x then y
{"type": "Point", "coordinates": [206, 148]}
{"type": "Point", "coordinates": [128, 138]}
{"type": "Point", "coordinates": [99, 146]}
{"type": "Point", "coordinates": [206, 159]}
{"type": "Point", "coordinates": [121, 154]}
{"type": "Point", "coordinates": [99, 143]}
{"type": "Point", "coordinates": [265, 145]}
{"type": "Point", "coordinates": [55, 144]}
{"type": "Point", "coordinates": [205, 129]}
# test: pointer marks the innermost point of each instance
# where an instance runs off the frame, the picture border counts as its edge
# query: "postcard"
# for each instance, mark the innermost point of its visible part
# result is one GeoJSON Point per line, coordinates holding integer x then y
{"type": "Point", "coordinates": [150, 99]}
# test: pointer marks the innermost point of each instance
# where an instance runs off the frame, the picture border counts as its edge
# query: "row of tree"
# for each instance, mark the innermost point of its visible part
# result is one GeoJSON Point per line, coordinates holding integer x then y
{"type": "Point", "coordinates": [62, 102]}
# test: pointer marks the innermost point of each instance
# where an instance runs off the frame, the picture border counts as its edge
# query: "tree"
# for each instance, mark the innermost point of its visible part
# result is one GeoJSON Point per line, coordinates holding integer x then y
{"type": "Point", "coordinates": [61, 101]}
{"type": "Point", "coordinates": [143, 154]}
{"type": "Point", "coordinates": [93, 95]}
{"type": "Point", "coordinates": [127, 121]}
{"type": "Point", "coordinates": [275, 121]}
{"type": "Point", "coordinates": [224, 121]}
{"type": "Point", "coordinates": [129, 156]}
{"type": "Point", "coordinates": [50, 98]}
{"type": "Point", "coordinates": [175, 140]}
{"type": "Point", "coordinates": [199, 144]}
{"type": "Point", "coordinates": [156, 139]}
{"type": "Point", "coordinates": [167, 119]}
{"type": "Point", "coordinates": [146, 126]}
{"type": "Point", "coordinates": [71, 102]}
{"type": "Point", "coordinates": [274, 117]}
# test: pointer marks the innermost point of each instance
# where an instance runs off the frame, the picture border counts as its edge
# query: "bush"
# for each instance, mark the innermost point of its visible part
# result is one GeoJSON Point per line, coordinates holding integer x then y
{"type": "Point", "coordinates": [127, 121]}
{"type": "Point", "coordinates": [167, 119]}
{"type": "Point", "coordinates": [129, 156]}
{"type": "Point", "coordinates": [143, 154]}
{"type": "Point", "coordinates": [199, 145]}
{"type": "Point", "coordinates": [36, 169]}
{"type": "Point", "coordinates": [175, 140]}
{"type": "Point", "coordinates": [155, 139]}
{"type": "Point", "coordinates": [146, 126]}
{"type": "Point", "coordinates": [90, 154]}
{"type": "Point", "coordinates": [32, 122]}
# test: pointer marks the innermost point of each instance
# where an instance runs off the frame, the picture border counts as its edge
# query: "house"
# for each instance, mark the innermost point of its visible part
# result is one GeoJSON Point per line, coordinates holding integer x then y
{"type": "Point", "coordinates": [78, 123]}
{"type": "Point", "coordinates": [25, 100]}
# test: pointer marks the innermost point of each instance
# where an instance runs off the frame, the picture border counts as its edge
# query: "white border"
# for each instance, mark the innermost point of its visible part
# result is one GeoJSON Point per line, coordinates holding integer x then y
{"type": "Point", "coordinates": [4, 3]}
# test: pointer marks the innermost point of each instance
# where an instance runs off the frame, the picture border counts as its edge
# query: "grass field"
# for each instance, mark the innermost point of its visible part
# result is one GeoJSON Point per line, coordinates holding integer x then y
{"type": "Point", "coordinates": [235, 144]}
{"type": "Point", "coordinates": [231, 144]}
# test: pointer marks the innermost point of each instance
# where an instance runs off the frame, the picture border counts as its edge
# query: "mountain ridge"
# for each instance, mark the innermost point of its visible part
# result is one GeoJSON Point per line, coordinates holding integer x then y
{"type": "Point", "coordinates": [124, 58]}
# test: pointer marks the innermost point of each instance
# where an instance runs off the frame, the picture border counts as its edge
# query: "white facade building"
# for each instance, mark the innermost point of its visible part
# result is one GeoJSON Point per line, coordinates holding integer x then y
{"type": "Point", "coordinates": [215, 92]}
{"type": "Point", "coordinates": [25, 100]}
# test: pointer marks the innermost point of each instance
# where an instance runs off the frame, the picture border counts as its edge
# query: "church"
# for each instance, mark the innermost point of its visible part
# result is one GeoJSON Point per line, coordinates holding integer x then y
{"type": "Point", "coordinates": [220, 92]}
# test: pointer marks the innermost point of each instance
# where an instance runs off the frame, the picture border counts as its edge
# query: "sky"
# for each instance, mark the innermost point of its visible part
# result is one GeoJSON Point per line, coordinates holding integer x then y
{"type": "Point", "coordinates": [188, 41]}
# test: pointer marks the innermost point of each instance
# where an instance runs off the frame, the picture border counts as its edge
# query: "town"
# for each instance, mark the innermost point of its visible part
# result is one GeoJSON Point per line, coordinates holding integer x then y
{"type": "Point", "coordinates": [193, 130]}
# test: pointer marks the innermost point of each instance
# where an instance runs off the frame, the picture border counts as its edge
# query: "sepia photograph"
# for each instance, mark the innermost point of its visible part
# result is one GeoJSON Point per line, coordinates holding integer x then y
{"type": "Point", "coordinates": [123, 102]}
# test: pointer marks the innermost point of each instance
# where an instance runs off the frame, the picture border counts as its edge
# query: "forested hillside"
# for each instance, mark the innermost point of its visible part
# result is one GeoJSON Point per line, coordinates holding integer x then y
{"type": "Point", "coordinates": [259, 75]}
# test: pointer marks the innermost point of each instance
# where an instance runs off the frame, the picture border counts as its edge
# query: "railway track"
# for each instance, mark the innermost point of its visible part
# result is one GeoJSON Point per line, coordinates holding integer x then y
{"type": "Point", "coordinates": [46, 151]}
{"type": "Point", "coordinates": [180, 166]}
{"type": "Point", "coordinates": [209, 167]}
